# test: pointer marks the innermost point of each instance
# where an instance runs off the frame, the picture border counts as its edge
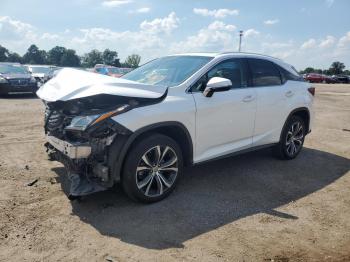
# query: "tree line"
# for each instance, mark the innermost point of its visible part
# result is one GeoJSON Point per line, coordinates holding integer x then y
{"type": "Point", "coordinates": [61, 56]}
{"type": "Point", "coordinates": [336, 68]}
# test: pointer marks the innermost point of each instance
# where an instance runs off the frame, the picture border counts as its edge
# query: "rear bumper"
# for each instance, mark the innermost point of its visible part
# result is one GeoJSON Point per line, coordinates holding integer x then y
{"type": "Point", "coordinates": [73, 151]}
{"type": "Point", "coordinates": [8, 88]}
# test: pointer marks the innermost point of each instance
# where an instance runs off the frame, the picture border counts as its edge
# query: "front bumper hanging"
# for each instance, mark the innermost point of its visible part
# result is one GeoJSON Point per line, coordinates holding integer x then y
{"type": "Point", "coordinates": [75, 158]}
{"type": "Point", "coordinates": [73, 151]}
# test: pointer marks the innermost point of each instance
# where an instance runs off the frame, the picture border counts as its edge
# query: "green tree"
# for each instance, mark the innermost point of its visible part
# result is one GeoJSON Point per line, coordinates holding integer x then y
{"type": "Point", "coordinates": [70, 58]}
{"type": "Point", "coordinates": [35, 56]}
{"type": "Point", "coordinates": [309, 70]}
{"type": "Point", "coordinates": [337, 68]}
{"type": "Point", "coordinates": [14, 57]}
{"type": "Point", "coordinates": [92, 58]}
{"type": "Point", "coordinates": [4, 53]}
{"type": "Point", "coordinates": [54, 56]}
{"type": "Point", "coordinates": [110, 58]}
{"type": "Point", "coordinates": [133, 60]}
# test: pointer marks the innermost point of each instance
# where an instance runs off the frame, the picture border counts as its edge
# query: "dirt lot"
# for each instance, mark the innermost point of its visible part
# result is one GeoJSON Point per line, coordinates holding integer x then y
{"type": "Point", "coordinates": [246, 208]}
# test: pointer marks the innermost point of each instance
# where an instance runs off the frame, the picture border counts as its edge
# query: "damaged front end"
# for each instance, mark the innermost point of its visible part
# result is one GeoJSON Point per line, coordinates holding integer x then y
{"type": "Point", "coordinates": [81, 134]}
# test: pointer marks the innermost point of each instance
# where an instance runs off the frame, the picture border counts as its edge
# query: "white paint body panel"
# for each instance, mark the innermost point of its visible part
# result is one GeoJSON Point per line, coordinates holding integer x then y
{"type": "Point", "coordinates": [218, 125]}
{"type": "Point", "coordinates": [73, 83]}
{"type": "Point", "coordinates": [224, 122]}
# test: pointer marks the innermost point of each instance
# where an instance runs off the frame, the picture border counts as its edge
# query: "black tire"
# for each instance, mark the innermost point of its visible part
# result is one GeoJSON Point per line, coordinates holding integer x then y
{"type": "Point", "coordinates": [284, 149]}
{"type": "Point", "coordinates": [132, 179]}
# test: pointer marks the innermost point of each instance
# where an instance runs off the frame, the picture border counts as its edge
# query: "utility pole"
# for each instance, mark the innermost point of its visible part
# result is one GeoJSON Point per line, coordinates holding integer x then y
{"type": "Point", "coordinates": [240, 40]}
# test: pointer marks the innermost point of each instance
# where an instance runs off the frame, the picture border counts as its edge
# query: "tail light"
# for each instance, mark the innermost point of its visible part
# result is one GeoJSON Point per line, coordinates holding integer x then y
{"type": "Point", "coordinates": [311, 91]}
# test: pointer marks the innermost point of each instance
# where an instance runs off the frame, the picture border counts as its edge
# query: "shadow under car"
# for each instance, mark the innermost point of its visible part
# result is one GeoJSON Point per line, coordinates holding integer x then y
{"type": "Point", "coordinates": [209, 196]}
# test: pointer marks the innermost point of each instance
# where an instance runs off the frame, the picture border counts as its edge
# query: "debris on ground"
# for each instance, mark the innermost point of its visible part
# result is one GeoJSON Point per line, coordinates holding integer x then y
{"type": "Point", "coordinates": [33, 182]}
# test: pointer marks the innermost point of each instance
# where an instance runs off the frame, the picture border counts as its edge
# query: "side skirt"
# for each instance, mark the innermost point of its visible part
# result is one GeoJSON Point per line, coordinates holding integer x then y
{"type": "Point", "coordinates": [244, 151]}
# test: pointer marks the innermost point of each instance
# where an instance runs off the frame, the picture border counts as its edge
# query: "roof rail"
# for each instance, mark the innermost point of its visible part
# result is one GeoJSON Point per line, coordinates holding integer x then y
{"type": "Point", "coordinates": [248, 53]}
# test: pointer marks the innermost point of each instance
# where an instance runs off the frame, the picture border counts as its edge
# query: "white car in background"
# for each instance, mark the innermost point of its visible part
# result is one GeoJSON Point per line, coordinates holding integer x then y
{"type": "Point", "coordinates": [143, 128]}
{"type": "Point", "coordinates": [40, 72]}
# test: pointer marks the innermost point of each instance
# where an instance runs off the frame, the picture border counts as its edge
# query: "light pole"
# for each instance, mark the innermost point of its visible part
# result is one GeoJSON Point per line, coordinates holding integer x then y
{"type": "Point", "coordinates": [240, 40]}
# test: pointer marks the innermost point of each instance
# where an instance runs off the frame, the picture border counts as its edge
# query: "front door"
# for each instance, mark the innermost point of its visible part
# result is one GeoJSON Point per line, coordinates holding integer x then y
{"type": "Point", "coordinates": [225, 121]}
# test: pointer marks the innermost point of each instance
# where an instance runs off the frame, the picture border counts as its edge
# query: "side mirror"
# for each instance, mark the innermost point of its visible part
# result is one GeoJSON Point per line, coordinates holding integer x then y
{"type": "Point", "coordinates": [217, 84]}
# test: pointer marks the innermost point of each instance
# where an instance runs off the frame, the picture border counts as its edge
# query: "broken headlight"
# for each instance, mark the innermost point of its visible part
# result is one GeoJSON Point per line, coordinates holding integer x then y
{"type": "Point", "coordinates": [81, 123]}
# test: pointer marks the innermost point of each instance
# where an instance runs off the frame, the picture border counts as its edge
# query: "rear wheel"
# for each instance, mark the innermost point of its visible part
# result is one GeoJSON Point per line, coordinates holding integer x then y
{"type": "Point", "coordinates": [152, 168]}
{"type": "Point", "coordinates": [292, 138]}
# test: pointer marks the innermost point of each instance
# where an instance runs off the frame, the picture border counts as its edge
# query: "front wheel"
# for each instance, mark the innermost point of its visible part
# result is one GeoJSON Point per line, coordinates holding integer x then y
{"type": "Point", "coordinates": [152, 168]}
{"type": "Point", "coordinates": [292, 138]}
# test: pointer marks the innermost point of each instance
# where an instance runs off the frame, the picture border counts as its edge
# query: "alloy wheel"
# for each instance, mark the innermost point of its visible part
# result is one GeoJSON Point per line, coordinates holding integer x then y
{"type": "Point", "coordinates": [156, 171]}
{"type": "Point", "coordinates": [294, 138]}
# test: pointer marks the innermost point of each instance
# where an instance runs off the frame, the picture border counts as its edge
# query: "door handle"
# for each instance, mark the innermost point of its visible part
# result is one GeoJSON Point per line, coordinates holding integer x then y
{"type": "Point", "coordinates": [289, 93]}
{"type": "Point", "coordinates": [248, 98]}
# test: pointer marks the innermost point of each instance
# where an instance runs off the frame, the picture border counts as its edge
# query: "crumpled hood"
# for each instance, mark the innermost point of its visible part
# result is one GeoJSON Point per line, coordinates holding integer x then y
{"type": "Point", "coordinates": [73, 83]}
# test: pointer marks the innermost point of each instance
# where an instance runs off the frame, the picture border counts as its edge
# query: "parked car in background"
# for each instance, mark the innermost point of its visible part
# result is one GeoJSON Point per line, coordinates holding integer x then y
{"type": "Point", "coordinates": [342, 79]}
{"type": "Point", "coordinates": [40, 72]}
{"type": "Point", "coordinates": [15, 78]}
{"type": "Point", "coordinates": [315, 78]}
{"type": "Point", "coordinates": [331, 79]}
{"type": "Point", "coordinates": [111, 70]}
{"type": "Point", "coordinates": [175, 111]}
{"type": "Point", "coordinates": [125, 70]}
{"type": "Point", "coordinates": [53, 72]}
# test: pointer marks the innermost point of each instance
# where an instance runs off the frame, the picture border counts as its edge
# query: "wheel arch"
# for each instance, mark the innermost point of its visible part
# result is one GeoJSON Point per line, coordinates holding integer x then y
{"type": "Point", "coordinates": [302, 112]}
{"type": "Point", "coordinates": [173, 129]}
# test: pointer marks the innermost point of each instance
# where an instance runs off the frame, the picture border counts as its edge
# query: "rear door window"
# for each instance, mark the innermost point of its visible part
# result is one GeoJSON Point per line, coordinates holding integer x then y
{"type": "Point", "coordinates": [264, 73]}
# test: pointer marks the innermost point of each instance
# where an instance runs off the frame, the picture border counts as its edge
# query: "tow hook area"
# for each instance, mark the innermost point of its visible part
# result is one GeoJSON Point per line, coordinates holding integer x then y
{"type": "Point", "coordinates": [86, 175]}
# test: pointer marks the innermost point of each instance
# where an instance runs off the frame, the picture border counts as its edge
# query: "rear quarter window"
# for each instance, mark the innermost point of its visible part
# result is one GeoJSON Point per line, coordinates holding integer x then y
{"type": "Point", "coordinates": [264, 73]}
{"type": "Point", "coordinates": [290, 76]}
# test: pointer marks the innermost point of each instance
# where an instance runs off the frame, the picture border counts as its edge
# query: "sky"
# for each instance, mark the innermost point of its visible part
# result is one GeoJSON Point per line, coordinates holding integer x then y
{"type": "Point", "coordinates": [304, 33]}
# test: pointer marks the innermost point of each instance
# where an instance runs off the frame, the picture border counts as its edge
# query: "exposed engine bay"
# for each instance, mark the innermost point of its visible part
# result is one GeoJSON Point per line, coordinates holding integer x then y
{"type": "Point", "coordinates": [81, 135]}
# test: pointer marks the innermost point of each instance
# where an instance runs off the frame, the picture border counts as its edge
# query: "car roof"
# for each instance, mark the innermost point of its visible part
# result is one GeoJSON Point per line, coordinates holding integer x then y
{"type": "Point", "coordinates": [238, 54]}
{"type": "Point", "coordinates": [242, 54]}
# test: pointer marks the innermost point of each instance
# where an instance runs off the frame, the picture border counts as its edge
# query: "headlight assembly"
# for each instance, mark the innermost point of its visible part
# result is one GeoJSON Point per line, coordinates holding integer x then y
{"type": "Point", "coordinates": [81, 123]}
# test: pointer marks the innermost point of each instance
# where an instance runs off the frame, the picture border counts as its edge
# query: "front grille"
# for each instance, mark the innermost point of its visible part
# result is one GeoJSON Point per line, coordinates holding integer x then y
{"type": "Point", "coordinates": [19, 81]}
{"type": "Point", "coordinates": [55, 122]}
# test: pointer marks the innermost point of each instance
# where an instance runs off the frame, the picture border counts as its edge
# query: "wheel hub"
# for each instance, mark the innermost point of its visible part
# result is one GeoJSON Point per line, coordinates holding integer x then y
{"type": "Point", "coordinates": [294, 139]}
{"type": "Point", "coordinates": [157, 171]}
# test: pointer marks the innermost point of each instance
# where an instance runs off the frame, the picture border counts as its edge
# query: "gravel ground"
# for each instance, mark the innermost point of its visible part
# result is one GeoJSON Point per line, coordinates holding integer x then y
{"type": "Point", "coordinates": [251, 207]}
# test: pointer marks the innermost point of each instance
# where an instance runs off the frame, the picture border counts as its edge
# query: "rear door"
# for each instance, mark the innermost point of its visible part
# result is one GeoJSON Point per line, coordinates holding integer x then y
{"type": "Point", "coordinates": [225, 121]}
{"type": "Point", "coordinates": [272, 101]}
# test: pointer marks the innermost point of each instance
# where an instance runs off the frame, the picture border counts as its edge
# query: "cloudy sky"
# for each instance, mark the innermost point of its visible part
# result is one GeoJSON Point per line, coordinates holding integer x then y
{"type": "Point", "coordinates": [304, 33]}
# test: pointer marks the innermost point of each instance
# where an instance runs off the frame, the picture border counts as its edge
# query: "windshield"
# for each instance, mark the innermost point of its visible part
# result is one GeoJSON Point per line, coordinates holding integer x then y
{"type": "Point", "coordinates": [13, 69]}
{"type": "Point", "coordinates": [41, 69]}
{"type": "Point", "coordinates": [167, 71]}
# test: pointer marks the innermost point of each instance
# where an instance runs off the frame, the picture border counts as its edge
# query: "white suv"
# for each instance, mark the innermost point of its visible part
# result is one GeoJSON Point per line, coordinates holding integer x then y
{"type": "Point", "coordinates": [143, 128]}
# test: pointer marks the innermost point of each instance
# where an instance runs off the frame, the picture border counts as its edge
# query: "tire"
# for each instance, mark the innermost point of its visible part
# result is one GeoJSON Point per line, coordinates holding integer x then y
{"type": "Point", "coordinates": [292, 138]}
{"type": "Point", "coordinates": [160, 163]}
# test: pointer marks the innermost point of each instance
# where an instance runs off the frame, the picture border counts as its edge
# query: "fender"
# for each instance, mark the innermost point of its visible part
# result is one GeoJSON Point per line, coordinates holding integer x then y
{"type": "Point", "coordinates": [123, 143]}
{"type": "Point", "coordinates": [296, 110]}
